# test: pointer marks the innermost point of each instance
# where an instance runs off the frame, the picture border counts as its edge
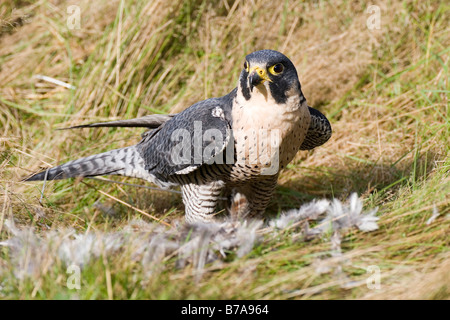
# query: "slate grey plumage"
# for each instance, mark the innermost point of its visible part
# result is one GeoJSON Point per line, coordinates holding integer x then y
{"type": "Point", "coordinates": [233, 145]}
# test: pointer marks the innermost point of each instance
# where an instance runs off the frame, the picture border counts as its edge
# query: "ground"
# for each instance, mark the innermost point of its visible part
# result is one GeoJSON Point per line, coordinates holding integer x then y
{"type": "Point", "coordinates": [379, 71]}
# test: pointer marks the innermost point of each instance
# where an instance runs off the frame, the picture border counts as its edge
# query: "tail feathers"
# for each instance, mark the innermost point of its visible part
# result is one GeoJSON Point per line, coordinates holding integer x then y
{"type": "Point", "coordinates": [126, 162]}
{"type": "Point", "coordinates": [151, 121]}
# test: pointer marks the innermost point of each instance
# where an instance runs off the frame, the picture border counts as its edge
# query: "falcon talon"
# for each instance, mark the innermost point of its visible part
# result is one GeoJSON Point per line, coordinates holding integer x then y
{"type": "Point", "coordinates": [258, 127]}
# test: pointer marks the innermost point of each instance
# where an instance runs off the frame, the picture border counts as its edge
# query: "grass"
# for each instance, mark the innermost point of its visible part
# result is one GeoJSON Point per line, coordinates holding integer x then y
{"type": "Point", "coordinates": [385, 91]}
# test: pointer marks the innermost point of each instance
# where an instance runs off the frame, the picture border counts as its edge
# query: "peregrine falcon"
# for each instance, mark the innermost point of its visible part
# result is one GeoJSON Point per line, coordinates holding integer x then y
{"type": "Point", "coordinates": [232, 146]}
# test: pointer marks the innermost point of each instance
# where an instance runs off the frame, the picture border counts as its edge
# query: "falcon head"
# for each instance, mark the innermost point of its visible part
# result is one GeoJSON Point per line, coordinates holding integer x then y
{"type": "Point", "coordinates": [271, 74]}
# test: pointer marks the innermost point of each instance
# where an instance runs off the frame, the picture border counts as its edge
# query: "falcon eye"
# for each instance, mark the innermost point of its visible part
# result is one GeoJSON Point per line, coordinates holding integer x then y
{"type": "Point", "coordinates": [276, 69]}
{"type": "Point", "coordinates": [246, 67]}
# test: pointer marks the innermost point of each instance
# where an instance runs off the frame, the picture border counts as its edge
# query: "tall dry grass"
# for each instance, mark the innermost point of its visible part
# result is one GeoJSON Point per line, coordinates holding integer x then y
{"type": "Point", "coordinates": [385, 92]}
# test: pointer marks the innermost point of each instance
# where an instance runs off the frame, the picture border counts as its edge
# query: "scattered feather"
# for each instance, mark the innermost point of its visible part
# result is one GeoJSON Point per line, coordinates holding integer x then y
{"type": "Point", "coordinates": [196, 245]}
{"type": "Point", "coordinates": [436, 214]}
{"type": "Point", "coordinates": [310, 210]}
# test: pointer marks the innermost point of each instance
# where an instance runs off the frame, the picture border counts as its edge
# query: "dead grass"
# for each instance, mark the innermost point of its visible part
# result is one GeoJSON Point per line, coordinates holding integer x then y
{"type": "Point", "coordinates": [385, 91]}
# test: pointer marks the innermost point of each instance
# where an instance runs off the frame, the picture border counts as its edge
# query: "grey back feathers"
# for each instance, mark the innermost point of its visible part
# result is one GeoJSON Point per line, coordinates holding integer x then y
{"type": "Point", "coordinates": [158, 149]}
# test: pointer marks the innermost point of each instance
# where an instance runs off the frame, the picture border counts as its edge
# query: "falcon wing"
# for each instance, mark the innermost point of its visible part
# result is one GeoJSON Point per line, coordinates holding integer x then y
{"type": "Point", "coordinates": [319, 130]}
{"type": "Point", "coordinates": [197, 136]}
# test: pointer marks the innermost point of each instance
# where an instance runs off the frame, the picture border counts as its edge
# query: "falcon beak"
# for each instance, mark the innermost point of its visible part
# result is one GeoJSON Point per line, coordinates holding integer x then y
{"type": "Point", "coordinates": [257, 76]}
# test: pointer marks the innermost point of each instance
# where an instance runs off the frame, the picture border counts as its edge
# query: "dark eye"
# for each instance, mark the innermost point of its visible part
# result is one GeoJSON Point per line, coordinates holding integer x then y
{"type": "Point", "coordinates": [246, 66]}
{"type": "Point", "coordinates": [278, 68]}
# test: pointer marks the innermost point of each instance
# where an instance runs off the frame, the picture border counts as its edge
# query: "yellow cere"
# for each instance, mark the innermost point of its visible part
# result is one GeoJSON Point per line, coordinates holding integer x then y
{"type": "Point", "coordinates": [261, 72]}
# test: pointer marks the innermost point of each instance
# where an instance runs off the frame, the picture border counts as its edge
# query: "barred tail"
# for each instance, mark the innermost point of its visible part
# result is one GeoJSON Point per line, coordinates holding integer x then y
{"type": "Point", "coordinates": [126, 162]}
